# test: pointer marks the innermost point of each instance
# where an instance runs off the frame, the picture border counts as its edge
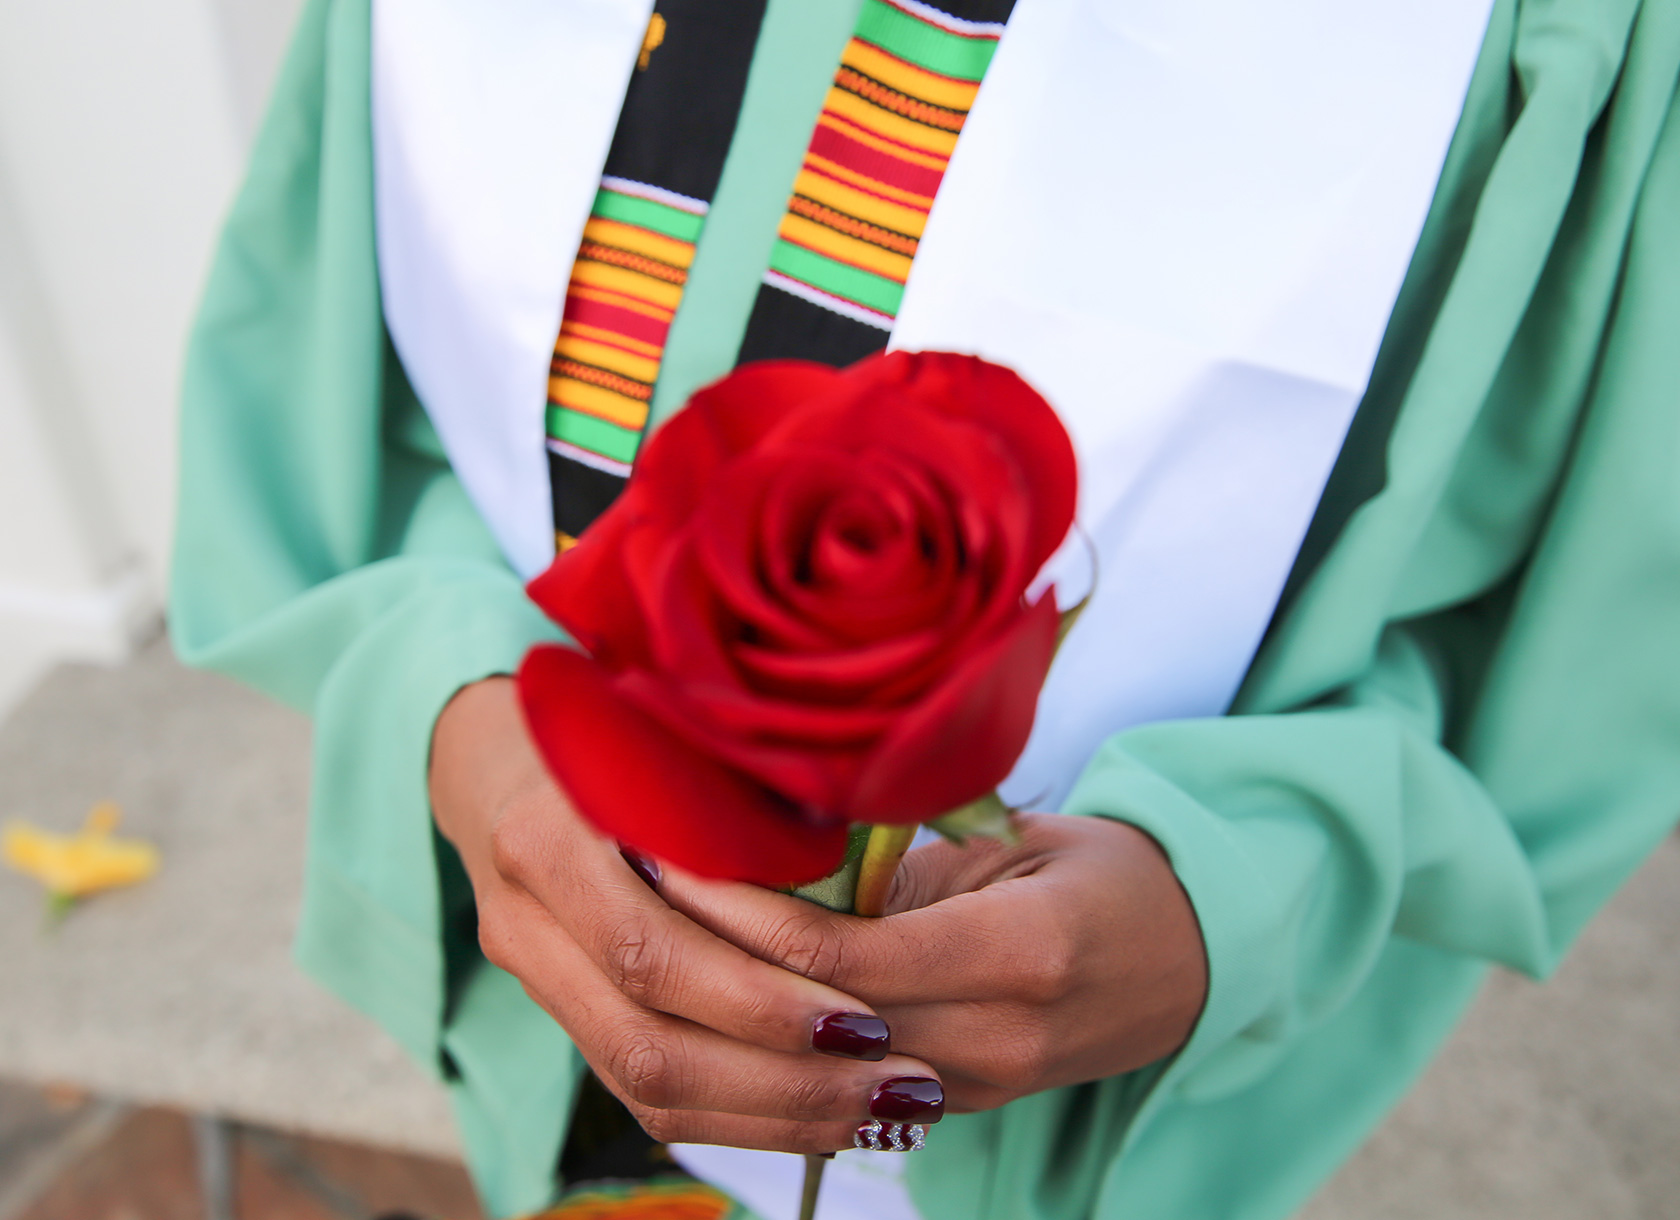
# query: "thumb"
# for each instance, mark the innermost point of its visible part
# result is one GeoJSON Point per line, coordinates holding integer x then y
{"type": "Point", "coordinates": [944, 869]}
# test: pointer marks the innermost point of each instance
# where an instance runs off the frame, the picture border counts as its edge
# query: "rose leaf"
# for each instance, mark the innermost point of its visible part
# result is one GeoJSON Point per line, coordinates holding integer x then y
{"type": "Point", "coordinates": [986, 818]}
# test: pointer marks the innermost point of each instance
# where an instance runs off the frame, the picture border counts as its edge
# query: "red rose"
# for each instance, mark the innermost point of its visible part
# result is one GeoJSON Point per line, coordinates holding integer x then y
{"type": "Point", "coordinates": [807, 609]}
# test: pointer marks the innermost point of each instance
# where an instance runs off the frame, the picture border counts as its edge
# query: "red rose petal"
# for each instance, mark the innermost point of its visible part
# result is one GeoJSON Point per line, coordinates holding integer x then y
{"type": "Point", "coordinates": [961, 741]}
{"type": "Point", "coordinates": [812, 765]}
{"type": "Point", "coordinates": [587, 592]}
{"type": "Point", "coordinates": [955, 530]}
{"type": "Point", "coordinates": [688, 626]}
{"type": "Point", "coordinates": [706, 712]}
{"type": "Point", "coordinates": [728, 539]}
{"type": "Point", "coordinates": [810, 588]}
{"type": "Point", "coordinates": [999, 400]}
{"type": "Point", "coordinates": [822, 677]}
{"type": "Point", "coordinates": [650, 790]}
{"type": "Point", "coordinates": [681, 460]}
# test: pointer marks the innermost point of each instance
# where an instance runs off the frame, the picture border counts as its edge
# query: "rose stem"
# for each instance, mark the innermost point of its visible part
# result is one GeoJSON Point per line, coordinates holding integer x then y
{"type": "Point", "coordinates": [814, 1166]}
{"type": "Point", "coordinates": [881, 854]}
{"type": "Point", "coordinates": [886, 847]}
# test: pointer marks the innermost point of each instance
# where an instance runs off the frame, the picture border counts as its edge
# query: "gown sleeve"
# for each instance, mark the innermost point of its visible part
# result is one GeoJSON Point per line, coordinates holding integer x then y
{"type": "Point", "coordinates": [326, 554]}
{"type": "Point", "coordinates": [1463, 730]}
{"type": "Point", "coordinates": [1458, 738]}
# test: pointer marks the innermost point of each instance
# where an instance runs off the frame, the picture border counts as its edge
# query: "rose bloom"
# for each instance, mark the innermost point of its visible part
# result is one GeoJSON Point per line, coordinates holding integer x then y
{"type": "Point", "coordinates": [807, 608]}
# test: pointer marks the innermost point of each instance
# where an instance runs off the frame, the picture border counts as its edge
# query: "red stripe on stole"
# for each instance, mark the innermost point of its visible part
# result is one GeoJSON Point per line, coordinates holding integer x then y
{"type": "Point", "coordinates": [873, 191]}
{"type": "Point", "coordinates": [616, 319]}
{"type": "Point", "coordinates": [881, 166]}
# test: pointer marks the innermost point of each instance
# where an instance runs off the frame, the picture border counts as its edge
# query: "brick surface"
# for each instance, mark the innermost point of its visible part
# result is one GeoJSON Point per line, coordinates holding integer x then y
{"type": "Point", "coordinates": [32, 1121]}
{"type": "Point", "coordinates": [381, 1181]}
{"type": "Point", "coordinates": [145, 1168]}
{"type": "Point", "coordinates": [144, 1171]}
{"type": "Point", "coordinates": [265, 1191]}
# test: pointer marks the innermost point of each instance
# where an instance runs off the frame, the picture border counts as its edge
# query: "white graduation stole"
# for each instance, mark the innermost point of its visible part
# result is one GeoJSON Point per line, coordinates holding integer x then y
{"type": "Point", "coordinates": [1184, 221]}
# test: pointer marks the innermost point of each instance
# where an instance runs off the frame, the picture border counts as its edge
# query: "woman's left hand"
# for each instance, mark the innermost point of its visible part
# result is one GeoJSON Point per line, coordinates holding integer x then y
{"type": "Point", "coordinates": [1072, 956]}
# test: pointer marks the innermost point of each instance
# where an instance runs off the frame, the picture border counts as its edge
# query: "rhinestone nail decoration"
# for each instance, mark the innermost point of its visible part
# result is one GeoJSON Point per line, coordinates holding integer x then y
{"type": "Point", "coordinates": [876, 1136]}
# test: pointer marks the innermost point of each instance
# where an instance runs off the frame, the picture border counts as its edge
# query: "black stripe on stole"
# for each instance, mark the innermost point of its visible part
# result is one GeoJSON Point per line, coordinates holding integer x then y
{"type": "Point", "coordinates": [785, 327]}
{"type": "Point", "coordinates": [674, 128]}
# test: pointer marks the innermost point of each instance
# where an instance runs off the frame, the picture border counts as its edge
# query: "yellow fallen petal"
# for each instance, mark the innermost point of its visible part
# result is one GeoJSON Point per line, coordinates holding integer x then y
{"type": "Point", "coordinates": [102, 819]}
{"type": "Point", "coordinates": [25, 848]}
{"type": "Point", "coordinates": [75, 865]}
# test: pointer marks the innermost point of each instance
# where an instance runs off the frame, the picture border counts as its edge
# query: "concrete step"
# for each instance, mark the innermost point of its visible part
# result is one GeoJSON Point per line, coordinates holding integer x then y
{"type": "Point", "coordinates": [1551, 1103]}
{"type": "Point", "coordinates": [181, 991]}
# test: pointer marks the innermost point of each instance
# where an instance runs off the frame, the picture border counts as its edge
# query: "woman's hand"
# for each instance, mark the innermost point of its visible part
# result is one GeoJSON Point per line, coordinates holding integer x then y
{"type": "Point", "coordinates": [1073, 956]}
{"type": "Point", "coordinates": [703, 1042]}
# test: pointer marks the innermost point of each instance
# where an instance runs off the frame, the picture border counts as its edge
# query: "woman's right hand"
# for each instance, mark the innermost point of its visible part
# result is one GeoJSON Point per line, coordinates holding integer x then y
{"type": "Point", "coordinates": [704, 1043]}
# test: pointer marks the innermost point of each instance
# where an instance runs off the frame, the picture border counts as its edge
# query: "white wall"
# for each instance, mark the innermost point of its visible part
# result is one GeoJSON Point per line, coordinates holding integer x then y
{"type": "Point", "coordinates": [123, 128]}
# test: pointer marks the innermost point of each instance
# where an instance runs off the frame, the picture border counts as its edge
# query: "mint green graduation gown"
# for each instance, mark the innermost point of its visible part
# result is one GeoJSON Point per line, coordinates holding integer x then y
{"type": "Point", "coordinates": [1461, 733]}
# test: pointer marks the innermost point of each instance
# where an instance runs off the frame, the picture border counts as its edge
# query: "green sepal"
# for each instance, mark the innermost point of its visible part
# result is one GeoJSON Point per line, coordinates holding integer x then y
{"type": "Point", "coordinates": [838, 890]}
{"type": "Point", "coordinates": [59, 905]}
{"type": "Point", "coordinates": [986, 818]}
{"type": "Point", "coordinates": [1070, 616]}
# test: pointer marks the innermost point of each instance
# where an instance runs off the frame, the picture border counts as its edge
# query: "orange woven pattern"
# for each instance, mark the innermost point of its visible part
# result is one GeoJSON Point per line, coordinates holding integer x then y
{"type": "Point", "coordinates": [644, 1201]}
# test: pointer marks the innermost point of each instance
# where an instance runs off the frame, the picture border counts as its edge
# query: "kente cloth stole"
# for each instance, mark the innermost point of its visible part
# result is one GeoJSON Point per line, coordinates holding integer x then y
{"type": "Point", "coordinates": [903, 89]}
{"type": "Point", "coordinates": [664, 164]}
{"type": "Point", "coordinates": [656, 1199]}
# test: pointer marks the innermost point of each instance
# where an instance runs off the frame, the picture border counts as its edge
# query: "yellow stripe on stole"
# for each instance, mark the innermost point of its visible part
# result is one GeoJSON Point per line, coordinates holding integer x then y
{"type": "Point", "coordinates": [584, 351]}
{"type": "Point", "coordinates": [856, 203]}
{"type": "Point", "coordinates": [907, 78]}
{"type": "Point", "coordinates": [639, 241]}
{"type": "Point", "coordinates": [631, 283]}
{"type": "Point", "coordinates": [598, 401]}
{"type": "Point", "coordinates": [824, 240]}
{"type": "Point", "coordinates": [894, 126]}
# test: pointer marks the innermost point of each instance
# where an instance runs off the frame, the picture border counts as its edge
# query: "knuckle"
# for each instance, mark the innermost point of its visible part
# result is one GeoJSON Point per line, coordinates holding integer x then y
{"type": "Point", "coordinates": [645, 1069]}
{"type": "Point", "coordinates": [1038, 981]}
{"type": "Point", "coordinates": [1023, 1065]}
{"type": "Point", "coordinates": [814, 1138]}
{"type": "Point", "coordinates": [665, 1126]}
{"type": "Point", "coordinates": [812, 1098]}
{"type": "Point", "coordinates": [1045, 976]}
{"type": "Point", "coordinates": [637, 959]}
{"type": "Point", "coordinates": [513, 849]}
{"type": "Point", "coordinates": [496, 939]}
{"type": "Point", "coordinates": [763, 1019]}
{"type": "Point", "coordinates": [810, 945]}
{"type": "Point", "coordinates": [976, 1097]}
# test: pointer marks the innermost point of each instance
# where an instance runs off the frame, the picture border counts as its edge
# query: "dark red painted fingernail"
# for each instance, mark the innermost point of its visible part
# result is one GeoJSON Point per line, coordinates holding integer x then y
{"type": "Point", "coordinates": [852, 1035]}
{"type": "Point", "coordinates": [908, 1099]}
{"type": "Point", "coordinates": [646, 869]}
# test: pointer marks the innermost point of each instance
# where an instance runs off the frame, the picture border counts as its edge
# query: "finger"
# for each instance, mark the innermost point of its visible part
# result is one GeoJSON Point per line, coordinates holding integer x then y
{"type": "Point", "coordinates": [972, 946]}
{"type": "Point", "coordinates": [943, 869]}
{"type": "Point", "coordinates": [1014, 937]}
{"type": "Point", "coordinates": [660, 959]}
{"type": "Point", "coordinates": [737, 1131]}
{"type": "Point", "coordinates": [989, 1054]}
{"type": "Point", "coordinates": [661, 1062]}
